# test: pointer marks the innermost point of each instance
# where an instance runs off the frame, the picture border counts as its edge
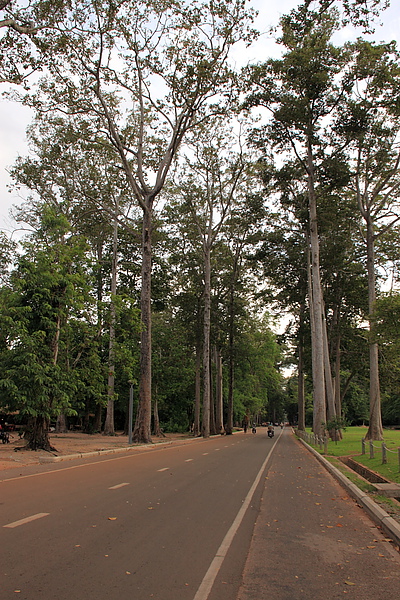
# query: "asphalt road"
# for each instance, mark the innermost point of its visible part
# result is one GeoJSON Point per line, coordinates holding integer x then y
{"type": "Point", "coordinates": [239, 517]}
{"type": "Point", "coordinates": [173, 523]}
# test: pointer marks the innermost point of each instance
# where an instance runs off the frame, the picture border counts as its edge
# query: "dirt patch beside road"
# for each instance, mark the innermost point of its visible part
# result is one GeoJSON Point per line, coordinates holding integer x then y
{"type": "Point", "coordinates": [65, 444]}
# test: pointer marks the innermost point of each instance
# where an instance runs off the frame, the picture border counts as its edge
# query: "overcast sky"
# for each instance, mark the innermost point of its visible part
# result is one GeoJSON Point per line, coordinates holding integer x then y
{"type": "Point", "coordinates": [14, 118]}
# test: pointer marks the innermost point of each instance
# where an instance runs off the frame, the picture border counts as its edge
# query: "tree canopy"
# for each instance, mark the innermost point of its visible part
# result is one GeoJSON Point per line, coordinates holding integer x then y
{"type": "Point", "coordinates": [175, 204]}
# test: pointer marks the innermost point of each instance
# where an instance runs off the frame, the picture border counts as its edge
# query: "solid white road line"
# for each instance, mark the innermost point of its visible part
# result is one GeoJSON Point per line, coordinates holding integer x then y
{"type": "Point", "coordinates": [208, 581]}
{"type": "Point", "coordinates": [26, 520]}
{"type": "Point", "coordinates": [119, 485]}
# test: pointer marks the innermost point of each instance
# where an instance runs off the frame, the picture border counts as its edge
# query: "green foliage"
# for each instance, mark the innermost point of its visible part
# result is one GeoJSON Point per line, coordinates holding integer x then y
{"type": "Point", "coordinates": [49, 290]}
{"type": "Point", "coordinates": [387, 317]}
{"type": "Point", "coordinates": [356, 401]}
{"type": "Point", "coordinates": [257, 380]}
{"type": "Point", "coordinates": [173, 372]}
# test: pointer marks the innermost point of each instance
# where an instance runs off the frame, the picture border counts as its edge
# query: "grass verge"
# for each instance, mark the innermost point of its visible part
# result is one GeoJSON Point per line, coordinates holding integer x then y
{"type": "Point", "coordinates": [351, 445]}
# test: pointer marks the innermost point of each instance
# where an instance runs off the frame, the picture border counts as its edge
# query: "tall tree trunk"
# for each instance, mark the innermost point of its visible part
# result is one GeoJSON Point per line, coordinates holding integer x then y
{"type": "Point", "coordinates": [141, 432]}
{"type": "Point", "coordinates": [98, 418]}
{"type": "Point", "coordinates": [97, 424]}
{"type": "Point", "coordinates": [316, 307]}
{"type": "Point", "coordinates": [338, 357]}
{"type": "Point", "coordinates": [109, 427]}
{"type": "Point", "coordinates": [39, 435]}
{"type": "Point", "coordinates": [213, 429]}
{"type": "Point", "coordinates": [206, 343]}
{"type": "Point", "coordinates": [219, 404]}
{"type": "Point", "coordinates": [229, 419]}
{"type": "Point", "coordinates": [229, 413]}
{"type": "Point", "coordinates": [301, 424]}
{"type": "Point", "coordinates": [62, 423]}
{"type": "Point", "coordinates": [197, 401]}
{"type": "Point", "coordinates": [375, 429]}
{"type": "Point", "coordinates": [330, 396]}
{"type": "Point", "coordinates": [156, 418]}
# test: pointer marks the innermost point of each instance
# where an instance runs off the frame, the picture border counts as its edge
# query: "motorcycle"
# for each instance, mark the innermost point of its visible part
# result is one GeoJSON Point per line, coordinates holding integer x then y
{"type": "Point", "coordinates": [271, 433]}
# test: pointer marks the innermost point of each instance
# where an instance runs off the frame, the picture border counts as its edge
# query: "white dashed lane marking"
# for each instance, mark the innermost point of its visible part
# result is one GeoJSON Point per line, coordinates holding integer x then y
{"type": "Point", "coordinates": [26, 520]}
{"type": "Point", "coordinates": [119, 485]}
{"type": "Point", "coordinates": [164, 469]}
{"type": "Point", "coordinates": [189, 460]}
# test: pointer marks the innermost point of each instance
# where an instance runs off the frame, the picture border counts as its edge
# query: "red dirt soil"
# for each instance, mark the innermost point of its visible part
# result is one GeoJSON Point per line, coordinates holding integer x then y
{"type": "Point", "coordinates": [67, 443]}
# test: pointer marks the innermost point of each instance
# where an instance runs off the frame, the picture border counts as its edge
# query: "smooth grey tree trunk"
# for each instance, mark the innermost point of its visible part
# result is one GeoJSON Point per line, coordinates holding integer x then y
{"type": "Point", "coordinates": [301, 420]}
{"type": "Point", "coordinates": [197, 400]}
{"type": "Point", "coordinates": [375, 429]}
{"type": "Point", "coordinates": [330, 395]}
{"type": "Point", "coordinates": [141, 432]}
{"type": "Point", "coordinates": [219, 405]}
{"type": "Point", "coordinates": [206, 340]}
{"type": "Point", "coordinates": [316, 307]}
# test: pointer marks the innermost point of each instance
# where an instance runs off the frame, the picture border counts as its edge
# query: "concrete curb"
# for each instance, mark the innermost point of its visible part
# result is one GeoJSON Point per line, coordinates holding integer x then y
{"type": "Point", "coordinates": [65, 457]}
{"type": "Point", "coordinates": [389, 525]}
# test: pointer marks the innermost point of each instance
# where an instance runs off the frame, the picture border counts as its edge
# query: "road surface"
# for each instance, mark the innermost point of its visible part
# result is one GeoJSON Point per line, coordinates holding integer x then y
{"type": "Point", "coordinates": [148, 525]}
{"type": "Point", "coordinates": [231, 517]}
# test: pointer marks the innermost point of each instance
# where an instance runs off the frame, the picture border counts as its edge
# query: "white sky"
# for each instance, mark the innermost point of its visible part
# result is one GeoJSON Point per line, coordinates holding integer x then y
{"type": "Point", "coordinates": [14, 118]}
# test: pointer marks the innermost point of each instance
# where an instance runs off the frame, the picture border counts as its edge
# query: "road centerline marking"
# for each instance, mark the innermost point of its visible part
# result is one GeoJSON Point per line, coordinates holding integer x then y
{"type": "Point", "coordinates": [189, 460]}
{"type": "Point", "coordinates": [207, 583]}
{"type": "Point", "coordinates": [26, 520]}
{"type": "Point", "coordinates": [164, 469]}
{"type": "Point", "coordinates": [119, 485]}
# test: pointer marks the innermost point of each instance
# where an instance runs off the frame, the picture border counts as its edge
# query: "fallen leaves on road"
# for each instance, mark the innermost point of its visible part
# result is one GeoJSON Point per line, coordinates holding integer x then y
{"type": "Point", "coordinates": [349, 583]}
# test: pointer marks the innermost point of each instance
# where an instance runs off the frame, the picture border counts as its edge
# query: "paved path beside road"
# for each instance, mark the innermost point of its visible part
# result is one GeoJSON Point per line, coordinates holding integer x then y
{"type": "Point", "coordinates": [312, 541]}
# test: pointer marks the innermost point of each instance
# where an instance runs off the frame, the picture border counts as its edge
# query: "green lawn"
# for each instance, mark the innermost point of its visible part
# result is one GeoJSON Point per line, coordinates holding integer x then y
{"type": "Point", "coordinates": [351, 445]}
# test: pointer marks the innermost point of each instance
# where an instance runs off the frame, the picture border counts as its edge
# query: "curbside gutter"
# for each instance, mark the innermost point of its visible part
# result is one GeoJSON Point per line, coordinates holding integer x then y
{"type": "Point", "coordinates": [389, 525]}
